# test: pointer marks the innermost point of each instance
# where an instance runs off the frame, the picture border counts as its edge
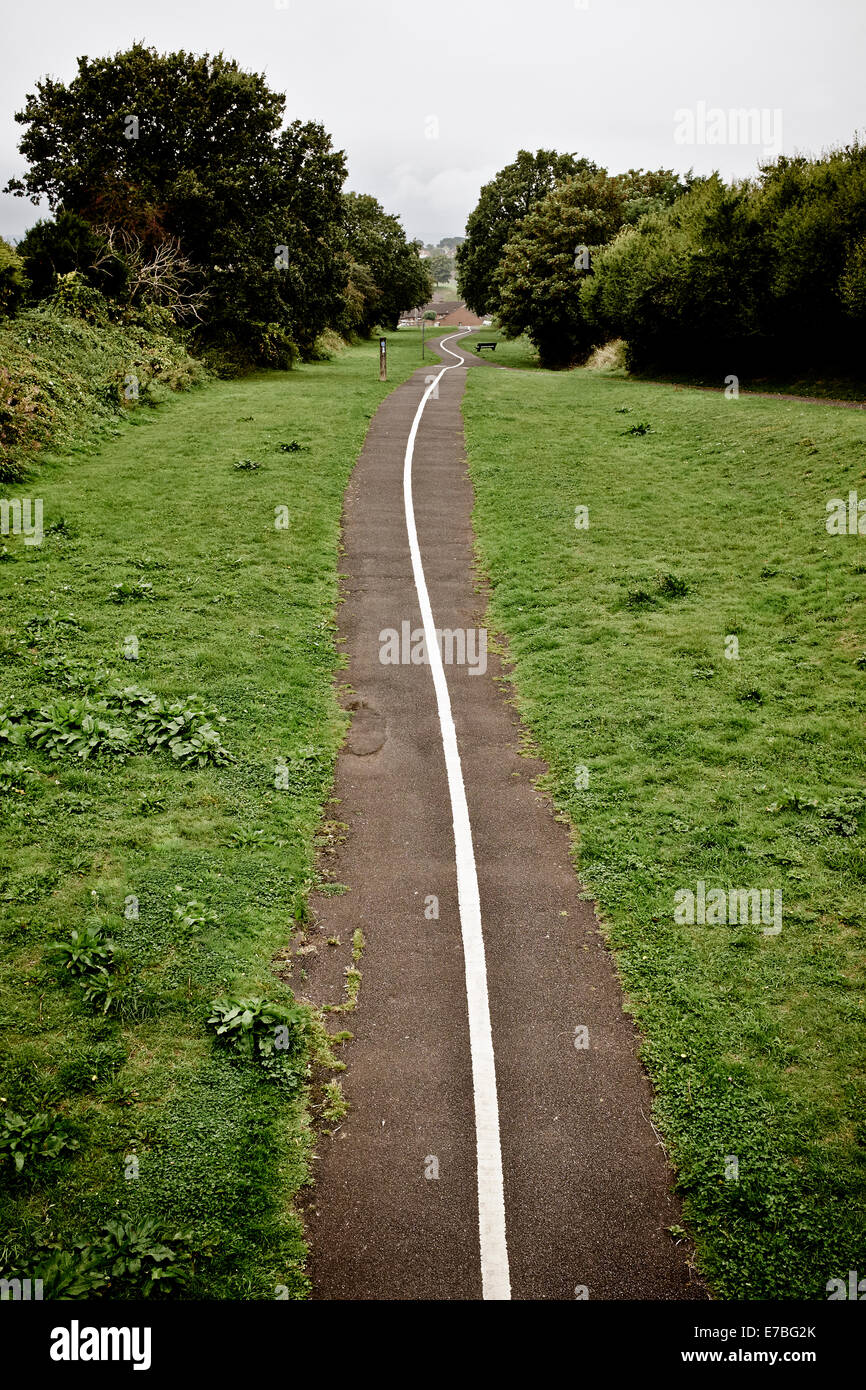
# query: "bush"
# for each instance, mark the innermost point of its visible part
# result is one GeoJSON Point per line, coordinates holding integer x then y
{"type": "Point", "coordinates": [75, 297]}
{"type": "Point", "coordinates": [12, 279]}
{"type": "Point", "coordinates": [51, 251]}
{"type": "Point", "coordinates": [762, 277]}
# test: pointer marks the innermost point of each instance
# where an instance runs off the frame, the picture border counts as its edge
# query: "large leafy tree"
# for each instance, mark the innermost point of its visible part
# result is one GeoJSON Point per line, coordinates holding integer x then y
{"type": "Point", "coordinates": [386, 273]}
{"type": "Point", "coordinates": [502, 205]}
{"type": "Point", "coordinates": [764, 276]}
{"type": "Point", "coordinates": [689, 285]}
{"type": "Point", "coordinates": [192, 147]}
{"type": "Point", "coordinates": [441, 266]}
{"type": "Point", "coordinates": [543, 264]}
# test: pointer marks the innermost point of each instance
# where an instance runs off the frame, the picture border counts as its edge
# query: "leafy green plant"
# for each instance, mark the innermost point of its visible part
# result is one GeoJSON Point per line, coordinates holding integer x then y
{"type": "Point", "coordinates": [78, 728]}
{"type": "Point", "coordinates": [128, 590]}
{"type": "Point", "coordinates": [103, 992]}
{"type": "Point", "coordinates": [71, 1274]}
{"type": "Point", "coordinates": [193, 914]}
{"type": "Point", "coordinates": [138, 1260]}
{"type": "Point", "coordinates": [185, 729]}
{"type": "Point", "coordinates": [640, 598]}
{"type": "Point", "coordinates": [26, 1140]}
{"type": "Point", "coordinates": [87, 952]}
{"type": "Point", "coordinates": [61, 527]}
{"type": "Point", "coordinates": [130, 1258]}
{"type": "Point", "coordinates": [49, 627]}
{"type": "Point", "coordinates": [671, 586]}
{"type": "Point", "coordinates": [14, 776]}
{"type": "Point", "coordinates": [12, 726]}
{"type": "Point", "coordinates": [842, 817]}
{"type": "Point", "coordinates": [246, 465]}
{"type": "Point", "coordinates": [792, 801]}
{"type": "Point", "coordinates": [334, 1107]}
{"type": "Point", "coordinates": [259, 1030]}
{"type": "Point", "coordinates": [69, 674]}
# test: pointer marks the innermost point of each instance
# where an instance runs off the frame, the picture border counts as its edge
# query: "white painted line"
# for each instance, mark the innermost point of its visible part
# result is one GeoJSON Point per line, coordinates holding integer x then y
{"type": "Point", "coordinates": [495, 1278]}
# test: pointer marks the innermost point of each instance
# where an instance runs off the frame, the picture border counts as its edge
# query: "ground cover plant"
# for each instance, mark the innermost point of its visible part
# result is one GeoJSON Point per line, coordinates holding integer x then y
{"type": "Point", "coordinates": [689, 657]}
{"type": "Point", "coordinates": [167, 738]}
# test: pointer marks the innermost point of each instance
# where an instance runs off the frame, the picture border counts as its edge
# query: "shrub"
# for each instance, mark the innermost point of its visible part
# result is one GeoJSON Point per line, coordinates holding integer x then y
{"type": "Point", "coordinates": [69, 246]}
{"type": "Point", "coordinates": [12, 281]}
{"type": "Point", "coordinates": [75, 297]}
{"type": "Point", "coordinates": [62, 376]}
{"type": "Point", "coordinates": [763, 276]}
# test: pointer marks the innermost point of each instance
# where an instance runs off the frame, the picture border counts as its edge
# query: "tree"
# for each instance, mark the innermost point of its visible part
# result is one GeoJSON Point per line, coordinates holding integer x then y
{"type": "Point", "coordinates": [651, 190]}
{"type": "Point", "coordinates": [441, 267]}
{"type": "Point", "coordinates": [191, 147]}
{"type": "Point", "coordinates": [689, 286]}
{"type": "Point", "coordinates": [393, 278]}
{"type": "Point", "coordinates": [503, 203]}
{"type": "Point", "coordinates": [51, 249]}
{"type": "Point", "coordinates": [543, 264]}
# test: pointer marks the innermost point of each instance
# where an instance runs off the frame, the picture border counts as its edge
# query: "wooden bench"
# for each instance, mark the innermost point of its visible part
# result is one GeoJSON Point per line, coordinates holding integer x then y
{"type": "Point", "coordinates": [479, 346]}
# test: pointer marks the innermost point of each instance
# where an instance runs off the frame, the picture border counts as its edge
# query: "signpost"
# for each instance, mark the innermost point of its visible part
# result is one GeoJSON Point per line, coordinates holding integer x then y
{"type": "Point", "coordinates": [383, 359]}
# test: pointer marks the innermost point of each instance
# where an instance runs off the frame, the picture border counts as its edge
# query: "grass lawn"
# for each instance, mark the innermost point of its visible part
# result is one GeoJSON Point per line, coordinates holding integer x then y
{"type": "Point", "coordinates": [735, 763]}
{"type": "Point", "coordinates": [510, 352]}
{"type": "Point", "coordinates": [196, 873]}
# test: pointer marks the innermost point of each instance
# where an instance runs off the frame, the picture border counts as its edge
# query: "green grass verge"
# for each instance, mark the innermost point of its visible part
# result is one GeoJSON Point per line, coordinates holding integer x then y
{"type": "Point", "coordinates": [742, 773]}
{"type": "Point", "coordinates": [219, 858]}
{"type": "Point", "coordinates": [510, 352]}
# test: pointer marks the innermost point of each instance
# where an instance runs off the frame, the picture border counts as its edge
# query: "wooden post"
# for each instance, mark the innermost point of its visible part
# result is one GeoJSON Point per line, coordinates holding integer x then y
{"type": "Point", "coordinates": [383, 359]}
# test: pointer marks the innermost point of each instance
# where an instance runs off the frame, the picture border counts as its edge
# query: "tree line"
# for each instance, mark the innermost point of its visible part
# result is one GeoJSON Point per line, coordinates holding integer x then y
{"type": "Point", "coordinates": [179, 194]}
{"type": "Point", "coordinates": [762, 276]}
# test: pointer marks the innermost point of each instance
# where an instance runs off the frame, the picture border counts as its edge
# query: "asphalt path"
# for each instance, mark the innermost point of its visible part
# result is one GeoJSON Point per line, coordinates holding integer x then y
{"type": "Point", "coordinates": [498, 1143]}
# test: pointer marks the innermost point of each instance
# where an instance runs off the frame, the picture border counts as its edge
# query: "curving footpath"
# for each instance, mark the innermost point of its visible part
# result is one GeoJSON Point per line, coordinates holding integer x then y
{"type": "Point", "coordinates": [487, 1153]}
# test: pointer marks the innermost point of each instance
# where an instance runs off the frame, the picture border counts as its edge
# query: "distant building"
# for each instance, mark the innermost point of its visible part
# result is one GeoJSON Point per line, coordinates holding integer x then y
{"type": "Point", "coordinates": [450, 313]}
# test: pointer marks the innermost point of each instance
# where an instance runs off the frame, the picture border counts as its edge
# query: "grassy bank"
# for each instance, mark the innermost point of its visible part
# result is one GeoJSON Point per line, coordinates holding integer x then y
{"type": "Point", "coordinates": [698, 649]}
{"type": "Point", "coordinates": [64, 381]}
{"type": "Point", "coordinates": [166, 566]}
{"type": "Point", "coordinates": [510, 352]}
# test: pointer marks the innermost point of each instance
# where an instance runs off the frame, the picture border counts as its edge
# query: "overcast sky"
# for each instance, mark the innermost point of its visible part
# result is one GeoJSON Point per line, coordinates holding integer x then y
{"type": "Point", "coordinates": [429, 100]}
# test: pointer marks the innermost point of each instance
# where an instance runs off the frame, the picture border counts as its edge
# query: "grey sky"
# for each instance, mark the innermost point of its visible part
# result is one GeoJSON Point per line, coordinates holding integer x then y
{"type": "Point", "coordinates": [429, 100]}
